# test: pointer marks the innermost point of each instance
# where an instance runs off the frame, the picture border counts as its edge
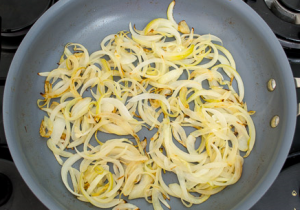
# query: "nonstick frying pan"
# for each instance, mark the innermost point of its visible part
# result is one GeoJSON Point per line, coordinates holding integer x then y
{"type": "Point", "coordinates": [258, 55]}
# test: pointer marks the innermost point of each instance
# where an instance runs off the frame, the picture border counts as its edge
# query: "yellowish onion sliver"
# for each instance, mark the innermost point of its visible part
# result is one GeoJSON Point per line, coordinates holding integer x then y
{"type": "Point", "coordinates": [119, 105]}
{"type": "Point", "coordinates": [147, 96]}
{"type": "Point", "coordinates": [58, 128]}
{"type": "Point", "coordinates": [144, 40]}
{"type": "Point", "coordinates": [170, 13]}
{"type": "Point", "coordinates": [89, 83]}
{"type": "Point", "coordinates": [65, 169]}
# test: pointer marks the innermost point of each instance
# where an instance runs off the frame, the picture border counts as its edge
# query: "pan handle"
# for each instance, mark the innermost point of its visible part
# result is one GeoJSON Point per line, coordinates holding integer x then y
{"type": "Point", "coordinates": [297, 82]}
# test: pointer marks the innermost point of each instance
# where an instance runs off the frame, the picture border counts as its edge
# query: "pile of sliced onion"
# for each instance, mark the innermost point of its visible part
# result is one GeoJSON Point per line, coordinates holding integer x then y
{"type": "Point", "coordinates": [164, 77]}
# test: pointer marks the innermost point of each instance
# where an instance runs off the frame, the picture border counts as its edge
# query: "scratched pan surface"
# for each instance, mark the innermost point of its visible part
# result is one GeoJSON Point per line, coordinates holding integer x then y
{"type": "Point", "coordinates": [256, 50]}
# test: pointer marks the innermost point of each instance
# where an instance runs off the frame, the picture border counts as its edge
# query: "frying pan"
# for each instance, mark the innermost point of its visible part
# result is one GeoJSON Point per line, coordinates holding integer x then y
{"type": "Point", "coordinates": [258, 55]}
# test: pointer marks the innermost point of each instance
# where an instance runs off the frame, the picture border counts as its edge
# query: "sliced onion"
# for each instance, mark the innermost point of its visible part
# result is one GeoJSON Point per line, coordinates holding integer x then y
{"type": "Point", "coordinates": [155, 78]}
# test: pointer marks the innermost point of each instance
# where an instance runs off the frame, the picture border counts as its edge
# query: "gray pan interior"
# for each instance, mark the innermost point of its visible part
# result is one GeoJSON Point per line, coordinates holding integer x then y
{"type": "Point", "coordinates": [256, 50]}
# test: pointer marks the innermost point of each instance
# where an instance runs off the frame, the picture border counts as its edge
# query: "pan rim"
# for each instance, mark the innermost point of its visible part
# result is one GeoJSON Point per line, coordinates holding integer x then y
{"type": "Point", "coordinates": [246, 203]}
